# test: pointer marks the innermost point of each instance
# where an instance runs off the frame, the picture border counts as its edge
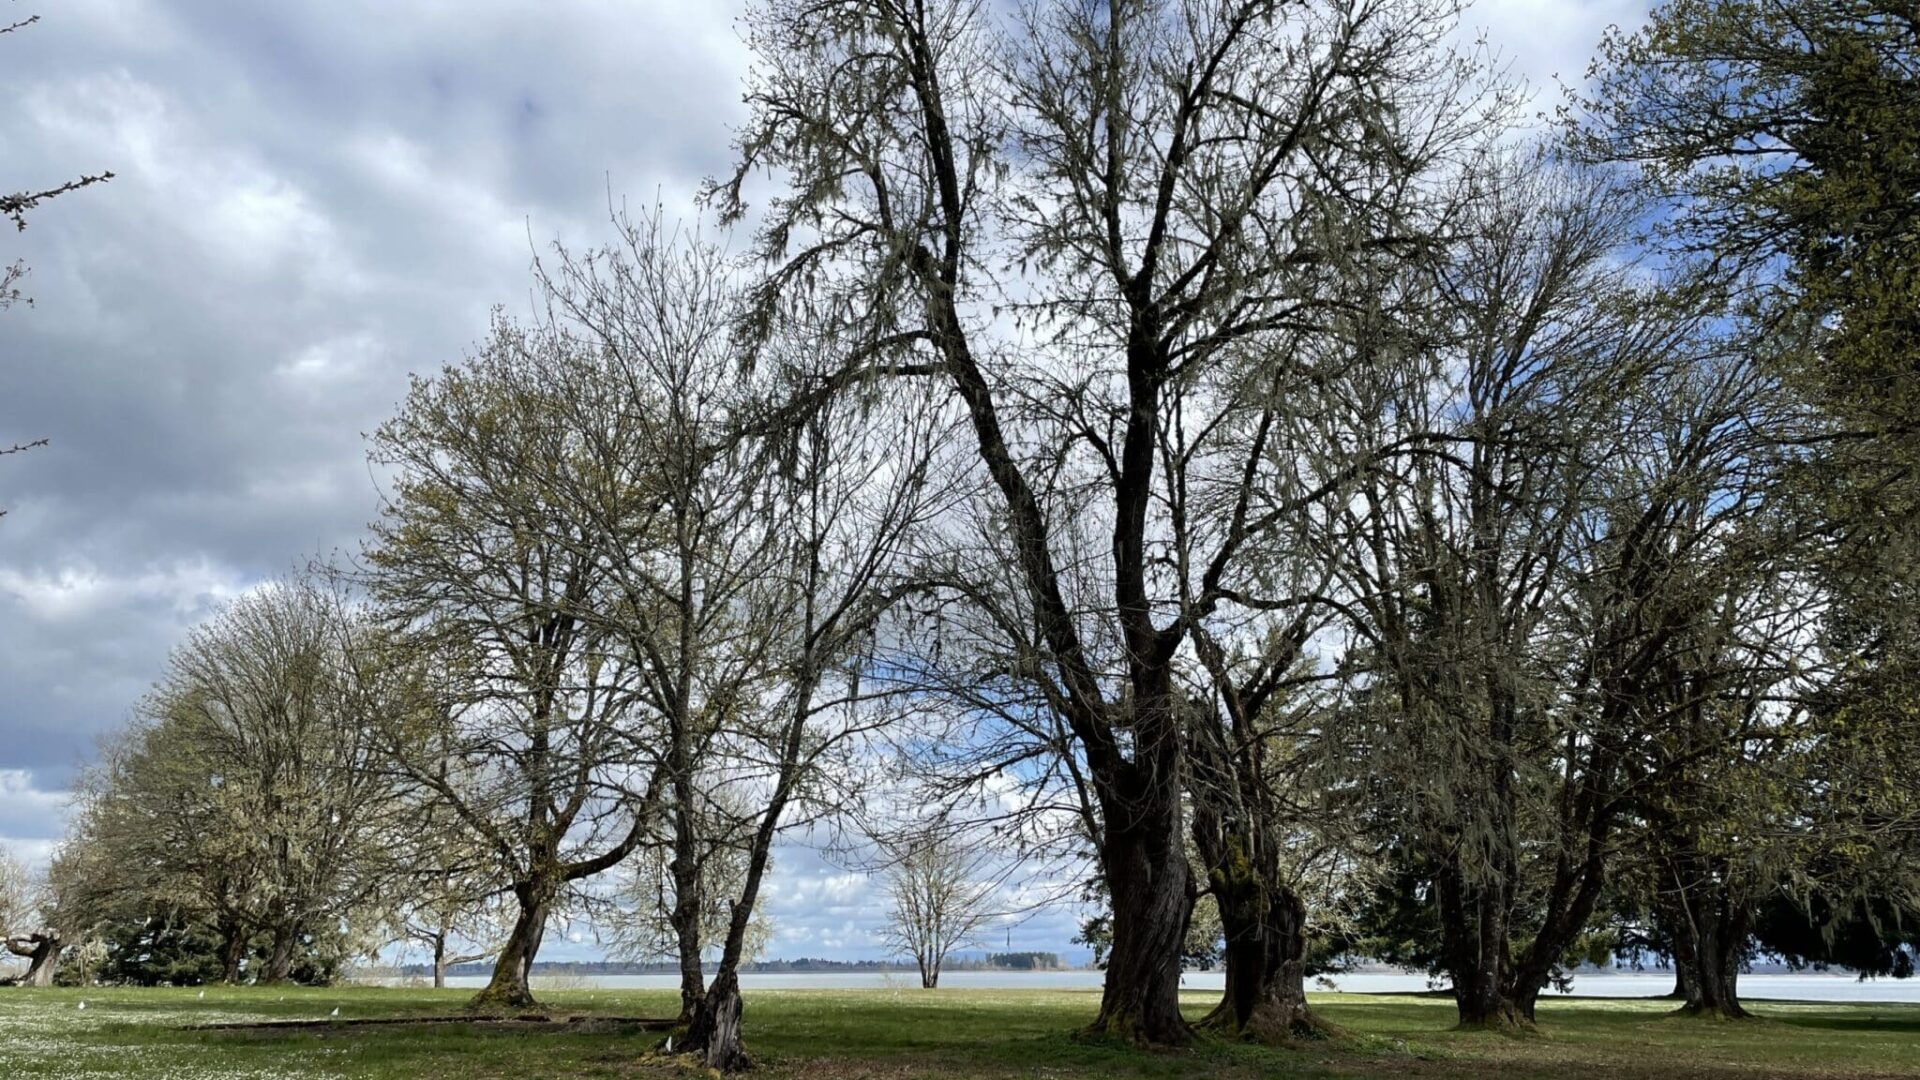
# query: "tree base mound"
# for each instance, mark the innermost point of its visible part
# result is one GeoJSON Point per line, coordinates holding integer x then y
{"type": "Point", "coordinates": [1131, 1036]}
{"type": "Point", "coordinates": [1276, 1025]}
{"type": "Point", "coordinates": [1509, 1021]}
{"type": "Point", "coordinates": [1714, 1013]}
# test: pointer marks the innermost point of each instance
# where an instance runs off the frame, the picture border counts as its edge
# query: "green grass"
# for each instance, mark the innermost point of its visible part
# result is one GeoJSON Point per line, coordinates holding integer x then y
{"type": "Point", "coordinates": [910, 1033]}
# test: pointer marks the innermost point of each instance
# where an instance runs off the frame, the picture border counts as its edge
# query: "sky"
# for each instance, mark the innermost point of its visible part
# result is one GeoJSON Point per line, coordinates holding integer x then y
{"type": "Point", "coordinates": [313, 200]}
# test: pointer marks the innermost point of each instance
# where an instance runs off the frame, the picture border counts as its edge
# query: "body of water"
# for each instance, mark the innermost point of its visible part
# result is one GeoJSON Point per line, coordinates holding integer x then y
{"type": "Point", "coordinates": [1759, 987]}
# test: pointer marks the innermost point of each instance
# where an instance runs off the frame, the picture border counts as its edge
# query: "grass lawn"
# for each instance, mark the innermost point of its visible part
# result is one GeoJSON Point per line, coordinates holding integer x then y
{"type": "Point", "coordinates": [910, 1033]}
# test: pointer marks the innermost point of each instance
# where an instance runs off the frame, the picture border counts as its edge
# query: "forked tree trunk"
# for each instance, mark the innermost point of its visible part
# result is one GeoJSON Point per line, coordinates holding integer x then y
{"type": "Point", "coordinates": [1263, 921]}
{"type": "Point", "coordinates": [1237, 824]}
{"type": "Point", "coordinates": [1266, 944]}
{"type": "Point", "coordinates": [511, 984]}
{"type": "Point", "coordinates": [1710, 929]}
{"type": "Point", "coordinates": [1144, 856]}
{"type": "Point", "coordinates": [1474, 939]}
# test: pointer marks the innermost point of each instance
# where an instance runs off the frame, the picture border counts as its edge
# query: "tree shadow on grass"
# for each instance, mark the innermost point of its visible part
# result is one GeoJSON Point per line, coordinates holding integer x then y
{"type": "Point", "coordinates": [1907, 1023]}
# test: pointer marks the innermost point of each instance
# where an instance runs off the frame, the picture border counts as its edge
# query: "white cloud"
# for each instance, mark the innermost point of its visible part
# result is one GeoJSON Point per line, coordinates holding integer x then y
{"type": "Point", "coordinates": [79, 591]}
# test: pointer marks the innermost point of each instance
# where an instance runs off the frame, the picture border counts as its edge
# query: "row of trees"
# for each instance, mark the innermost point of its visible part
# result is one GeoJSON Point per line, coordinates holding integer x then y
{"type": "Point", "coordinates": [1201, 438]}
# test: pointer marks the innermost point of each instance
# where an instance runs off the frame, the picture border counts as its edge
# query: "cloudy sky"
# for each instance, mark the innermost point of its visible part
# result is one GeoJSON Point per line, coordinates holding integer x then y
{"type": "Point", "coordinates": [314, 199]}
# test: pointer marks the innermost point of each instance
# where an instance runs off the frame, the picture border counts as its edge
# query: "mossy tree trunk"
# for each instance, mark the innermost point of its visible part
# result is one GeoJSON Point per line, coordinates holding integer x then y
{"type": "Point", "coordinates": [511, 984]}
{"type": "Point", "coordinates": [1266, 995]}
{"type": "Point", "coordinates": [1264, 923]}
{"type": "Point", "coordinates": [1237, 825]}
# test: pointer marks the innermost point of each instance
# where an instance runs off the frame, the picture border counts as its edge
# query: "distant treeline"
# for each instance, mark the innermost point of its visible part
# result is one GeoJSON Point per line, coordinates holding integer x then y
{"type": "Point", "coordinates": [1011, 961]}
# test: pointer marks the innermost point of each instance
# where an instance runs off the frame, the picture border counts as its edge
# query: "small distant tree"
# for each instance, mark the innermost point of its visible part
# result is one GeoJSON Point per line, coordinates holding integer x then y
{"type": "Point", "coordinates": [454, 914]}
{"type": "Point", "coordinates": [942, 893]}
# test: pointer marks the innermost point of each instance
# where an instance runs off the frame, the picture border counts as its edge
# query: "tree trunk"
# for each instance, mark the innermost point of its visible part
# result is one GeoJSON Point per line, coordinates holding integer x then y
{"type": "Point", "coordinates": [685, 918]}
{"type": "Point", "coordinates": [1474, 940]}
{"type": "Point", "coordinates": [929, 976]}
{"type": "Point", "coordinates": [1266, 945]}
{"type": "Point", "coordinates": [1709, 936]}
{"type": "Point", "coordinates": [46, 961]}
{"type": "Point", "coordinates": [280, 958]}
{"type": "Point", "coordinates": [440, 961]}
{"type": "Point", "coordinates": [511, 984]}
{"type": "Point", "coordinates": [1682, 984]}
{"type": "Point", "coordinates": [233, 951]}
{"type": "Point", "coordinates": [1264, 922]}
{"type": "Point", "coordinates": [42, 951]}
{"type": "Point", "coordinates": [1145, 861]}
{"type": "Point", "coordinates": [716, 1027]}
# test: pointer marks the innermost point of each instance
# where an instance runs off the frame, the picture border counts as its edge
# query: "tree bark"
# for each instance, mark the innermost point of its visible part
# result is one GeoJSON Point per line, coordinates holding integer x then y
{"type": "Point", "coordinates": [685, 916]}
{"type": "Point", "coordinates": [1682, 984]}
{"type": "Point", "coordinates": [1145, 861]}
{"type": "Point", "coordinates": [440, 961]}
{"type": "Point", "coordinates": [716, 1027]}
{"type": "Point", "coordinates": [1266, 944]}
{"type": "Point", "coordinates": [511, 984]}
{"type": "Point", "coordinates": [1263, 921]}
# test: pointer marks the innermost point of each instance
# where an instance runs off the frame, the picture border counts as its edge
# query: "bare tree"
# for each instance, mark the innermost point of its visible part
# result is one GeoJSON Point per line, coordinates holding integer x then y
{"type": "Point", "coordinates": [1152, 197]}
{"type": "Point", "coordinates": [852, 484]}
{"type": "Point", "coordinates": [489, 585]}
{"type": "Point", "coordinates": [941, 892]}
{"type": "Point", "coordinates": [685, 500]}
{"type": "Point", "coordinates": [755, 518]}
{"type": "Point", "coordinates": [650, 916]}
{"type": "Point", "coordinates": [446, 896]}
{"type": "Point", "coordinates": [1525, 591]}
{"type": "Point", "coordinates": [14, 207]}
